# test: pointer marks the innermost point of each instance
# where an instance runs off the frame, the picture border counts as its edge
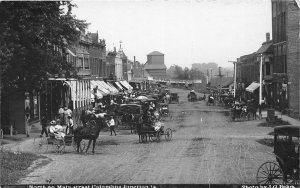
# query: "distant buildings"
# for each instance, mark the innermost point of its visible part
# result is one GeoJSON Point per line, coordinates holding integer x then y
{"type": "Point", "coordinates": [155, 67]}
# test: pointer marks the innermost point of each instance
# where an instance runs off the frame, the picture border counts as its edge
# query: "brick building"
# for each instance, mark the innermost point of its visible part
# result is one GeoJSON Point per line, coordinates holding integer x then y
{"type": "Point", "coordinates": [97, 52]}
{"type": "Point", "coordinates": [285, 31]}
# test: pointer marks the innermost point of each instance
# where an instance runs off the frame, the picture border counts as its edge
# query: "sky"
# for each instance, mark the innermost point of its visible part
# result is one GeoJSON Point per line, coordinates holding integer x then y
{"type": "Point", "coordinates": [186, 31]}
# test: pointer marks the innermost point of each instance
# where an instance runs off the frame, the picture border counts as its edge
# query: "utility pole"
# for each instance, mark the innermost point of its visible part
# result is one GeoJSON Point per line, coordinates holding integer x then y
{"type": "Point", "coordinates": [260, 79]}
{"type": "Point", "coordinates": [234, 78]}
{"type": "Point", "coordinates": [220, 75]}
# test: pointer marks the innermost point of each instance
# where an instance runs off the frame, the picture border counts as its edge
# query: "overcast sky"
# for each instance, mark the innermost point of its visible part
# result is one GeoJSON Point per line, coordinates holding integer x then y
{"type": "Point", "coordinates": [186, 31]}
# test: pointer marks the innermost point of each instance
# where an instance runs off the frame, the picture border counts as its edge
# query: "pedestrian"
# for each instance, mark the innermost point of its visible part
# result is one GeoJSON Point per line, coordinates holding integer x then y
{"type": "Point", "coordinates": [61, 113]}
{"type": "Point", "coordinates": [67, 113]}
{"type": "Point", "coordinates": [70, 125]}
{"type": "Point", "coordinates": [111, 124]}
{"type": "Point", "coordinates": [27, 125]}
{"type": "Point", "coordinates": [44, 126]}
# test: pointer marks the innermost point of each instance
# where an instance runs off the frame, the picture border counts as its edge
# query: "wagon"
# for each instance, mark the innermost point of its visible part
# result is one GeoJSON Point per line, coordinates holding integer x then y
{"type": "Point", "coordinates": [164, 109]}
{"type": "Point", "coordinates": [174, 98]}
{"type": "Point", "coordinates": [285, 169]}
{"type": "Point", "coordinates": [192, 96]}
{"type": "Point", "coordinates": [131, 115]}
{"type": "Point", "coordinates": [146, 131]}
{"type": "Point", "coordinates": [45, 144]}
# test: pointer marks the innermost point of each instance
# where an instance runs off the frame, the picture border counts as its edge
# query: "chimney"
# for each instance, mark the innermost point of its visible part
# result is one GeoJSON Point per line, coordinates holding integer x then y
{"type": "Point", "coordinates": [267, 37]}
{"type": "Point", "coordinates": [115, 50]}
{"type": "Point", "coordinates": [134, 59]}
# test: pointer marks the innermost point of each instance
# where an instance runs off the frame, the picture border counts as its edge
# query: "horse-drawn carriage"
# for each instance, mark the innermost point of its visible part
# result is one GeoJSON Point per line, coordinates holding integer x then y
{"type": "Point", "coordinates": [192, 96]}
{"type": "Point", "coordinates": [210, 100]}
{"type": "Point", "coordinates": [286, 150]}
{"type": "Point", "coordinates": [164, 109]}
{"type": "Point", "coordinates": [45, 144]}
{"type": "Point", "coordinates": [131, 115]}
{"type": "Point", "coordinates": [153, 132]}
{"type": "Point", "coordinates": [174, 98]}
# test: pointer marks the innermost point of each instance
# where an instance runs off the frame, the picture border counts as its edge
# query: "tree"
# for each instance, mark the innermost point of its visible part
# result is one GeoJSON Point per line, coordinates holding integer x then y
{"type": "Point", "coordinates": [34, 36]}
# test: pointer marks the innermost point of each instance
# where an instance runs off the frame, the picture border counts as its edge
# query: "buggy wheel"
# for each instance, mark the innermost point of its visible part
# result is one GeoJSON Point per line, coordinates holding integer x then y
{"type": "Point", "coordinates": [81, 146]}
{"type": "Point", "coordinates": [40, 145]}
{"type": "Point", "coordinates": [269, 173]}
{"type": "Point", "coordinates": [168, 134]}
{"type": "Point", "coordinates": [58, 145]}
{"type": "Point", "coordinates": [152, 136]}
{"type": "Point", "coordinates": [242, 116]}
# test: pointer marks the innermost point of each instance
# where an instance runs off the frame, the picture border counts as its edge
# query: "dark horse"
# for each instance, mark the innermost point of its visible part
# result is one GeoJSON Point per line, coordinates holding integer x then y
{"type": "Point", "coordinates": [89, 131]}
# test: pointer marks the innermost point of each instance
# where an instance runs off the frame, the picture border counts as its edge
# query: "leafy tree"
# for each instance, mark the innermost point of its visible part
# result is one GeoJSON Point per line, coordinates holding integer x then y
{"type": "Point", "coordinates": [33, 39]}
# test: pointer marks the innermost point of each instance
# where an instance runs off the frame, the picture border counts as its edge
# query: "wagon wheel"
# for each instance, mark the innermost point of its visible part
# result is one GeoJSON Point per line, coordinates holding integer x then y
{"type": "Point", "coordinates": [81, 146]}
{"type": "Point", "coordinates": [269, 173]}
{"type": "Point", "coordinates": [243, 116]}
{"type": "Point", "coordinates": [168, 134]}
{"type": "Point", "coordinates": [40, 145]}
{"type": "Point", "coordinates": [58, 145]}
{"type": "Point", "coordinates": [152, 136]}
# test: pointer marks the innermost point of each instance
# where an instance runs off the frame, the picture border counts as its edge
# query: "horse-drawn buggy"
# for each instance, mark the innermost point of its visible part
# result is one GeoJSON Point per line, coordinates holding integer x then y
{"type": "Point", "coordinates": [174, 98]}
{"type": "Point", "coordinates": [210, 100]}
{"type": "Point", "coordinates": [286, 151]}
{"type": "Point", "coordinates": [164, 109]}
{"type": "Point", "coordinates": [153, 132]}
{"type": "Point", "coordinates": [131, 115]}
{"type": "Point", "coordinates": [56, 143]}
{"type": "Point", "coordinates": [192, 96]}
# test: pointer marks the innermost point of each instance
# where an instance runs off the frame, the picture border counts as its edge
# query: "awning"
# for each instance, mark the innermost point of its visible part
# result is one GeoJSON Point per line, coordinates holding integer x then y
{"type": "Point", "coordinates": [109, 88]}
{"type": "Point", "coordinates": [119, 86]}
{"type": "Point", "coordinates": [126, 84]}
{"type": "Point", "coordinates": [113, 87]}
{"type": "Point", "coordinates": [252, 87]}
{"type": "Point", "coordinates": [99, 95]}
{"type": "Point", "coordinates": [100, 90]}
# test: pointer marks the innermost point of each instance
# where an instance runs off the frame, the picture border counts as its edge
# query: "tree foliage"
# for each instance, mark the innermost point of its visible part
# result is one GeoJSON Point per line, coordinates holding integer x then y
{"type": "Point", "coordinates": [33, 39]}
{"type": "Point", "coordinates": [177, 72]}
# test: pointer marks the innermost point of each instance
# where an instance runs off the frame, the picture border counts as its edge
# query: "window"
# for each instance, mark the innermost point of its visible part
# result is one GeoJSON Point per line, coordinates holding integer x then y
{"type": "Point", "coordinates": [86, 63]}
{"type": "Point", "coordinates": [79, 62]}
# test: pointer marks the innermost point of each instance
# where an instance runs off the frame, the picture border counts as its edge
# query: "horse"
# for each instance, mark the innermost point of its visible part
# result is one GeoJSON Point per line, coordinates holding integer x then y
{"type": "Point", "coordinates": [89, 131]}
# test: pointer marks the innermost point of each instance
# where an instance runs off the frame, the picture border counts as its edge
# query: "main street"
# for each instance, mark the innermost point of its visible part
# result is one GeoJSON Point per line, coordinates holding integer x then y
{"type": "Point", "coordinates": [206, 148]}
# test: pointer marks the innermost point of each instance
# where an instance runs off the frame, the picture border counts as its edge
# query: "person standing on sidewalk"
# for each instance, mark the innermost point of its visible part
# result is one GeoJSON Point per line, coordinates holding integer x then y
{"type": "Point", "coordinates": [111, 124]}
{"type": "Point", "coordinates": [44, 126]}
{"type": "Point", "coordinates": [27, 118]}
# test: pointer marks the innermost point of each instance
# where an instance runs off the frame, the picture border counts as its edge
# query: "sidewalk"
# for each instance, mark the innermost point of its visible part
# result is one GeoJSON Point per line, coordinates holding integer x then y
{"type": "Point", "coordinates": [292, 121]}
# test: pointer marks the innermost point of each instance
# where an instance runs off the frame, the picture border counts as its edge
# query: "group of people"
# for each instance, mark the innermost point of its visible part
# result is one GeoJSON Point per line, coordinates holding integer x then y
{"type": "Point", "coordinates": [57, 126]}
{"type": "Point", "coordinates": [56, 129]}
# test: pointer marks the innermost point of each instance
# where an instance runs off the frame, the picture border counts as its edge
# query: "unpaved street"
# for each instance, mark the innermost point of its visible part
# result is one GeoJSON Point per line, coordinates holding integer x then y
{"type": "Point", "coordinates": [205, 148]}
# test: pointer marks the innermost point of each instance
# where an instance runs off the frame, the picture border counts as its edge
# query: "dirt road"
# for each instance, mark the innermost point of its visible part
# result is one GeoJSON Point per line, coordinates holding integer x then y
{"type": "Point", "coordinates": [205, 148]}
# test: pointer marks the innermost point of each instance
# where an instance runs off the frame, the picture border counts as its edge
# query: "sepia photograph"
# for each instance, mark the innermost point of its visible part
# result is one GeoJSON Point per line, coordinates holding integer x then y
{"type": "Point", "coordinates": [150, 93]}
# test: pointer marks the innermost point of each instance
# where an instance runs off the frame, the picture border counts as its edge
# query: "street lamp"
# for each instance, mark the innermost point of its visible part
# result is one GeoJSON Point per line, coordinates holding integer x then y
{"type": "Point", "coordinates": [234, 78]}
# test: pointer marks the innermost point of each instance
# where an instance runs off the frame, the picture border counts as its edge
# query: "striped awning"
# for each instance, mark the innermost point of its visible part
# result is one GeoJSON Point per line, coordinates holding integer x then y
{"type": "Point", "coordinates": [252, 87]}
